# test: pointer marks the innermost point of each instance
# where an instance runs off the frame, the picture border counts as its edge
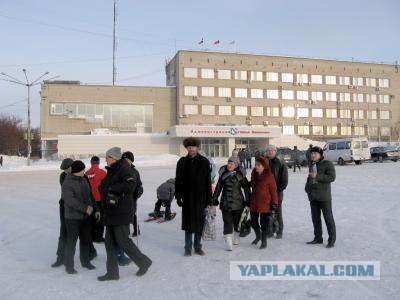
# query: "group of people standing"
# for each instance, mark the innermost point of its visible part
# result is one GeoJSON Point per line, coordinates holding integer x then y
{"type": "Point", "coordinates": [96, 199]}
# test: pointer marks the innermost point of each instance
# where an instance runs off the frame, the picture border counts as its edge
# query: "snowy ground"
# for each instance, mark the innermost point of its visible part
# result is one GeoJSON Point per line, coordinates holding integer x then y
{"type": "Point", "coordinates": [366, 208]}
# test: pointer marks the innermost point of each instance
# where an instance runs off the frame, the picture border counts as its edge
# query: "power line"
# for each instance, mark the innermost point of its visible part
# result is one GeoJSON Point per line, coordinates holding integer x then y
{"type": "Point", "coordinates": [13, 103]}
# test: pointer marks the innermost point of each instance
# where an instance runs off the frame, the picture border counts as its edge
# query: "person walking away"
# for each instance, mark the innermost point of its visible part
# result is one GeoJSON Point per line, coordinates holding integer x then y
{"type": "Point", "coordinates": [232, 183]}
{"type": "Point", "coordinates": [242, 158]}
{"type": "Point", "coordinates": [79, 207]}
{"type": "Point", "coordinates": [248, 158]}
{"type": "Point", "coordinates": [318, 189]}
{"type": "Point", "coordinates": [280, 172]}
{"type": "Point", "coordinates": [263, 199]}
{"type": "Point", "coordinates": [62, 239]}
{"type": "Point", "coordinates": [193, 193]}
{"type": "Point", "coordinates": [308, 156]}
{"type": "Point", "coordinates": [116, 191]}
{"type": "Point", "coordinates": [296, 159]}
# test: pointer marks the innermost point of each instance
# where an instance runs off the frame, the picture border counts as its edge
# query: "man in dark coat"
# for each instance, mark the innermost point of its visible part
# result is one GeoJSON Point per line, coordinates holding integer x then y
{"type": "Point", "coordinates": [242, 158]}
{"type": "Point", "coordinates": [193, 193]}
{"type": "Point", "coordinates": [248, 158]}
{"type": "Point", "coordinates": [308, 156]}
{"type": "Point", "coordinates": [318, 188]}
{"type": "Point", "coordinates": [296, 159]}
{"type": "Point", "coordinates": [280, 172]}
{"type": "Point", "coordinates": [117, 196]}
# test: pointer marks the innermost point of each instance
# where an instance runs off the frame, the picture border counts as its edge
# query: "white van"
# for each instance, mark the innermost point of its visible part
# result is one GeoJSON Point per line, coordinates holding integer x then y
{"type": "Point", "coordinates": [347, 150]}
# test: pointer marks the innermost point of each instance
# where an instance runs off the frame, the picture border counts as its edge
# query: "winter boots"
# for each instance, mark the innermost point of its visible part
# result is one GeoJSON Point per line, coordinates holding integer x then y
{"type": "Point", "coordinates": [236, 238]}
{"type": "Point", "coordinates": [228, 242]}
{"type": "Point", "coordinates": [258, 235]}
{"type": "Point", "coordinates": [263, 240]}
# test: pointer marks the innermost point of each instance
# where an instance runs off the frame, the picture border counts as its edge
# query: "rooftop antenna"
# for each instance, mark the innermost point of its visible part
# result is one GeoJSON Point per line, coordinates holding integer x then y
{"type": "Point", "coordinates": [114, 43]}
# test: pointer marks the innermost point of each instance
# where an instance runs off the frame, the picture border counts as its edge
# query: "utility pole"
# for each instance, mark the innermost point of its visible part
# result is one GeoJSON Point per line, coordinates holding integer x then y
{"type": "Point", "coordinates": [114, 42]}
{"type": "Point", "coordinates": [28, 84]}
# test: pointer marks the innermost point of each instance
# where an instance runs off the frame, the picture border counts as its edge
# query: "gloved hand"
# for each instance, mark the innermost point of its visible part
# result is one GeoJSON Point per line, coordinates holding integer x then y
{"type": "Point", "coordinates": [97, 216]}
{"type": "Point", "coordinates": [89, 210]}
{"type": "Point", "coordinates": [179, 202]}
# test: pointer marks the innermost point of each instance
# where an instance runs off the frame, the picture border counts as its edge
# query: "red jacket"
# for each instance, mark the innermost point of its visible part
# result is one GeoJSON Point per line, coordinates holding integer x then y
{"type": "Point", "coordinates": [264, 192]}
{"type": "Point", "coordinates": [95, 175]}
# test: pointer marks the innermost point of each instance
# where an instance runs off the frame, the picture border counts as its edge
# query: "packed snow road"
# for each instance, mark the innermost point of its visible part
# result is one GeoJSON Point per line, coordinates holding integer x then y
{"type": "Point", "coordinates": [366, 208]}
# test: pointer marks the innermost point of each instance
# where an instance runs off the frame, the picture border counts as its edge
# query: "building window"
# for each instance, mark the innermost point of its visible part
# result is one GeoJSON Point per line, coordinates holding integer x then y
{"type": "Point", "coordinates": [302, 95]}
{"type": "Point", "coordinates": [256, 93]}
{"type": "Point", "coordinates": [272, 94]}
{"type": "Point", "coordinates": [273, 111]}
{"type": "Point", "coordinates": [371, 98]}
{"type": "Point", "coordinates": [303, 130]}
{"type": "Point", "coordinates": [383, 82]}
{"type": "Point", "coordinates": [330, 79]}
{"type": "Point", "coordinates": [344, 80]}
{"type": "Point", "coordinates": [287, 77]}
{"type": "Point", "coordinates": [330, 96]}
{"type": "Point", "coordinates": [225, 110]}
{"type": "Point", "coordinates": [287, 95]}
{"type": "Point", "coordinates": [224, 74]}
{"type": "Point", "coordinates": [345, 114]}
{"type": "Point", "coordinates": [302, 78]}
{"type": "Point", "coordinates": [385, 131]}
{"type": "Point", "coordinates": [345, 130]}
{"type": "Point", "coordinates": [56, 109]}
{"type": "Point", "coordinates": [317, 113]}
{"type": "Point", "coordinates": [257, 111]}
{"type": "Point", "coordinates": [331, 130]}
{"type": "Point", "coordinates": [316, 79]}
{"type": "Point", "coordinates": [358, 98]}
{"type": "Point", "coordinates": [372, 115]}
{"type": "Point", "coordinates": [207, 91]}
{"type": "Point", "coordinates": [318, 130]}
{"type": "Point", "coordinates": [357, 81]}
{"type": "Point", "coordinates": [272, 76]}
{"type": "Point", "coordinates": [240, 93]}
{"type": "Point", "coordinates": [256, 76]}
{"type": "Point", "coordinates": [302, 112]}
{"type": "Point", "coordinates": [190, 109]}
{"type": "Point", "coordinates": [384, 99]}
{"type": "Point", "coordinates": [358, 130]}
{"type": "Point", "coordinates": [241, 110]}
{"type": "Point", "coordinates": [384, 115]}
{"type": "Point", "coordinates": [344, 97]}
{"type": "Point", "coordinates": [331, 113]}
{"type": "Point", "coordinates": [316, 96]}
{"type": "Point", "coordinates": [190, 90]}
{"type": "Point", "coordinates": [288, 129]}
{"type": "Point", "coordinates": [373, 131]}
{"type": "Point", "coordinates": [190, 72]}
{"type": "Point", "coordinates": [358, 114]}
{"type": "Point", "coordinates": [224, 92]}
{"type": "Point", "coordinates": [241, 75]}
{"type": "Point", "coordinates": [208, 110]}
{"type": "Point", "coordinates": [207, 73]}
{"type": "Point", "coordinates": [288, 112]}
{"type": "Point", "coordinates": [371, 82]}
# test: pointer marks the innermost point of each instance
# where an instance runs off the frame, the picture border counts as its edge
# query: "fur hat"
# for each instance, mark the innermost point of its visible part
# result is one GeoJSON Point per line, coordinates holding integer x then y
{"type": "Point", "coordinates": [66, 163]}
{"type": "Point", "coordinates": [114, 152]}
{"type": "Point", "coordinates": [129, 155]}
{"type": "Point", "coordinates": [77, 166]}
{"type": "Point", "coordinates": [191, 141]}
{"type": "Point", "coordinates": [317, 149]}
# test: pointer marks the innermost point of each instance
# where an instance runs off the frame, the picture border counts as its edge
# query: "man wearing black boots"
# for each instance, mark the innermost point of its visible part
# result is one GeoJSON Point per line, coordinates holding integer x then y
{"type": "Point", "coordinates": [117, 190]}
{"type": "Point", "coordinates": [318, 188]}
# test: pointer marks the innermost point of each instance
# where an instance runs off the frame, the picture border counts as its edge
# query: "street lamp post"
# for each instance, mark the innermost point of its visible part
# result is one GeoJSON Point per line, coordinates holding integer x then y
{"type": "Point", "coordinates": [28, 84]}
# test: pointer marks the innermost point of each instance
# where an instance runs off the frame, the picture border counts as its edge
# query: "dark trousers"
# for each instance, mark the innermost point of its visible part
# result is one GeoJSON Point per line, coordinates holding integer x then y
{"type": "Point", "coordinates": [243, 164]}
{"type": "Point", "coordinates": [278, 213]}
{"type": "Point", "coordinates": [62, 239]}
{"type": "Point", "coordinates": [75, 229]}
{"type": "Point", "coordinates": [117, 237]}
{"type": "Point", "coordinates": [98, 227]}
{"type": "Point", "coordinates": [135, 223]}
{"type": "Point", "coordinates": [259, 220]}
{"type": "Point", "coordinates": [297, 164]}
{"type": "Point", "coordinates": [248, 163]}
{"type": "Point", "coordinates": [326, 208]}
{"type": "Point", "coordinates": [189, 240]}
{"type": "Point", "coordinates": [231, 220]}
{"type": "Point", "coordinates": [166, 203]}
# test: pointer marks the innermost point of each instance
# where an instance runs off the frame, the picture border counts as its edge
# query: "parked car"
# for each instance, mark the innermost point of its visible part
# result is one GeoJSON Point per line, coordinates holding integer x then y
{"type": "Point", "coordinates": [287, 155]}
{"type": "Point", "coordinates": [384, 153]}
{"type": "Point", "coordinates": [347, 150]}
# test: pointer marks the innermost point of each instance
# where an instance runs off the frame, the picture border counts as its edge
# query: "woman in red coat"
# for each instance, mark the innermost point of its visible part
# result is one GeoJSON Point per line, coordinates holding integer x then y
{"type": "Point", "coordinates": [264, 198]}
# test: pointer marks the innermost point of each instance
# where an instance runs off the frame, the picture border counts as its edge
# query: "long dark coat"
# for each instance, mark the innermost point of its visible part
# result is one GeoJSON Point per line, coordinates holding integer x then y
{"type": "Point", "coordinates": [193, 186]}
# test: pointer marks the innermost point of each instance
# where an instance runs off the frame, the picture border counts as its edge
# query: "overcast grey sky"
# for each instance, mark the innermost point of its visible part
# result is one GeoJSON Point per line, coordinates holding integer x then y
{"type": "Point", "coordinates": [73, 39]}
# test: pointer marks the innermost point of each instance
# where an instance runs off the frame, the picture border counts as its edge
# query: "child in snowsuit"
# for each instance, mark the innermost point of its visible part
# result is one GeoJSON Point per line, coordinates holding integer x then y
{"type": "Point", "coordinates": [165, 195]}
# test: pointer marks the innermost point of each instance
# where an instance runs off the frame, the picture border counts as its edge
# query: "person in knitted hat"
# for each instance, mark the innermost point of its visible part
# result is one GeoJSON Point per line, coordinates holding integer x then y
{"type": "Point", "coordinates": [235, 190]}
{"type": "Point", "coordinates": [318, 188]}
{"type": "Point", "coordinates": [66, 169]}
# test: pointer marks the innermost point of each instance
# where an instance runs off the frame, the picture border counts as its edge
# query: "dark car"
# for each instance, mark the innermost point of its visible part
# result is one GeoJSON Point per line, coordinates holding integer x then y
{"type": "Point", "coordinates": [287, 155]}
{"type": "Point", "coordinates": [384, 153]}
